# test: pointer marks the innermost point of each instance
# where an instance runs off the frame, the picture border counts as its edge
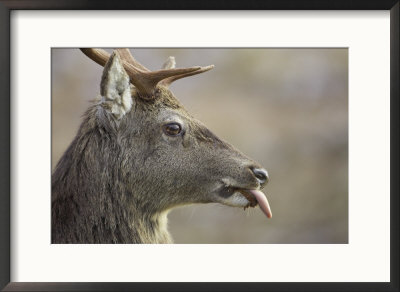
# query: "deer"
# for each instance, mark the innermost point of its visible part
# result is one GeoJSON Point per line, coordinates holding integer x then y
{"type": "Point", "coordinates": [139, 153]}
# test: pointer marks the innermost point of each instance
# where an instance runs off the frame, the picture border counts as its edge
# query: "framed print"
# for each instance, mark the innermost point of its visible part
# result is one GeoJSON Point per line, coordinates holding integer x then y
{"type": "Point", "coordinates": [111, 146]}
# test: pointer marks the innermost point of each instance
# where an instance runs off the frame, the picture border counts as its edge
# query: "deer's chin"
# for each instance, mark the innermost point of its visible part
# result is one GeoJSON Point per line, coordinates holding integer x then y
{"type": "Point", "coordinates": [237, 200]}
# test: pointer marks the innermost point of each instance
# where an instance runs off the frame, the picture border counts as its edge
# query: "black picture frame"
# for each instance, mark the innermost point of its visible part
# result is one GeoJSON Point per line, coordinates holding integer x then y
{"type": "Point", "coordinates": [6, 7]}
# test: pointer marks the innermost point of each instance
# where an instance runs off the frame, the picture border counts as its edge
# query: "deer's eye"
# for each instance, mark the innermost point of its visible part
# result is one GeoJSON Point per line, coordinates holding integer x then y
{"type": "Point", "coordinates": [172, 129]}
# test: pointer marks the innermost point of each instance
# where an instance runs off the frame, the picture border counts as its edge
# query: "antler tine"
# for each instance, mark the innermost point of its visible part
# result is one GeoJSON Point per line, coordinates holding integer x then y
{"type": "Point", "coordinates": [144, 81]}
{"type": "Point", "coordinates": [127, 56]}
{"type": "Point", "coordinates": [167, 82]}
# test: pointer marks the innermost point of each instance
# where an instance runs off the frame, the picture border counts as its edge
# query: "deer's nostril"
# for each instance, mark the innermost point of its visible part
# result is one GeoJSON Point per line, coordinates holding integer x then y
{"type": "Point", "coordinates": [261, 175]}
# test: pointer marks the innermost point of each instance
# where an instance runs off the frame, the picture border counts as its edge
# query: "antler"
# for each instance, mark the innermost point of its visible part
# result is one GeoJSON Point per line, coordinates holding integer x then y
{"type": "Point", "coordinates": [170, 63]}
{"type": "Point", "coordinates": [144, 80]}
{"type": "Point", "coordinates": [169, 80]}
{"type": "Point", "coordinates": [127, 56]}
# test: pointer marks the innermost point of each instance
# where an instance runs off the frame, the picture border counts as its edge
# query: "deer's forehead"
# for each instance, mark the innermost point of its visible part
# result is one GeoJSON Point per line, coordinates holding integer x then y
{"type": "Point", "coordinates": [164, 104]}
{"type": "Point", "coordinates": [172, 115]}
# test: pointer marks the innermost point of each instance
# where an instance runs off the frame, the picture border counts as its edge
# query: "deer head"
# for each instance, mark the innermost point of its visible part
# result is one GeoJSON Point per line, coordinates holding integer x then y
{"type": "Point", "coordinates": [148, 154]}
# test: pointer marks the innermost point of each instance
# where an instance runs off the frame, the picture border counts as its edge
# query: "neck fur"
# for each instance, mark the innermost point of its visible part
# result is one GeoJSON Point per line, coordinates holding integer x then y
{"type": "Point", "coordinates": [93, 201]}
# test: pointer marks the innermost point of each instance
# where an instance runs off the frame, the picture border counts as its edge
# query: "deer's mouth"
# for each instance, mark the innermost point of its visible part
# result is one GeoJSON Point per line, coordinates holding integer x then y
{"type": "Point", "coordinates": [250, 197]}
{"type": "Point", "coordinates": [254, 197]}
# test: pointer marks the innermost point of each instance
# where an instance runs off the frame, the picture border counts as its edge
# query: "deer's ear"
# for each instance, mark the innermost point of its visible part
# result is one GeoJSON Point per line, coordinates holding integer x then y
{"type": "Point", "coordinates": [115, 87]}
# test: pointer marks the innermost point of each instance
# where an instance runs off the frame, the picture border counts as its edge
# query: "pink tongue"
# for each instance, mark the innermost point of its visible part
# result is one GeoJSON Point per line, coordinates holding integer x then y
{"type": "Point", "coordinates": [263, 202]}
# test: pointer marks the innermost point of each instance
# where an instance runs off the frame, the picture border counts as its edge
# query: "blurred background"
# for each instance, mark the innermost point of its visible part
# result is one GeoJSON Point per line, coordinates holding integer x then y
{"type": "Point", "coordinates": [285, 108]}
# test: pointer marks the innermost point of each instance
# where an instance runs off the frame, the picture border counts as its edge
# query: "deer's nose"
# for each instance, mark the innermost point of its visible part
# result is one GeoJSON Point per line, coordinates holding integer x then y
{"type": "Point", "coordinates": [261, 175]}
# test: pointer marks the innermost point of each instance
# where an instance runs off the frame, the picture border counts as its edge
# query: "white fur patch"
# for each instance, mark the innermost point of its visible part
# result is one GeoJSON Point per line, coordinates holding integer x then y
{"type": "Point", "coordinates": [163, 220]}
{"type": "Point", "coordinates": [237, 199]}
{"type": "Point", "coordinates": [161, 235]}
